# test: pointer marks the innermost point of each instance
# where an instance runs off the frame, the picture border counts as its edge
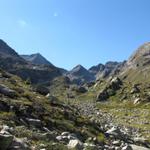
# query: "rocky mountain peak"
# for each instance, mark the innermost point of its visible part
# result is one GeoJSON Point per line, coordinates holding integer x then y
{"type": "Point", "coordinates": [78, 68]}
{"type": "Point", "coordinates": [36, 58]}
{"type": "Point", "coordinates": [79, 74]}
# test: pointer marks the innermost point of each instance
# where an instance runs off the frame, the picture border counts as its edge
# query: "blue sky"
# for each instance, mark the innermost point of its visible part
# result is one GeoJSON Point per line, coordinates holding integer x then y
{"type": "Point", "coordinates": [71, 32]}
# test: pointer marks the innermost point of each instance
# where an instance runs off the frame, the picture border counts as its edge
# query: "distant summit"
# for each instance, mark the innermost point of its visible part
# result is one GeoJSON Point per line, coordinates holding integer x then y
{"type": "Point", "coordinates": [80, 75]}
{"type": "Point", "coordinates": [37, 59]}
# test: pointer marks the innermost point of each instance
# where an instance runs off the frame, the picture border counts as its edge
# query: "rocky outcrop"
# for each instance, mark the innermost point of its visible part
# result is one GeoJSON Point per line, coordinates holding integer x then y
{"type": "Point", "coordinates": [114, 85]}
{"type": "Point", "coordinates": [76, 144]}
{"type": "Point", "coordinates": [9, 141]}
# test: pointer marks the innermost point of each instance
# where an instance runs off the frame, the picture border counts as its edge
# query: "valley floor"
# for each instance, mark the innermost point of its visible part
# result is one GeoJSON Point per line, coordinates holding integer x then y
{"type": "Point", "coordinates": [133, 121]}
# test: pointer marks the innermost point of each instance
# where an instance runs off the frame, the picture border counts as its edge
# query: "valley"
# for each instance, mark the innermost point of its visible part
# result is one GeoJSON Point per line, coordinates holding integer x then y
{"type": "Point", "coordinates": [44, 107]}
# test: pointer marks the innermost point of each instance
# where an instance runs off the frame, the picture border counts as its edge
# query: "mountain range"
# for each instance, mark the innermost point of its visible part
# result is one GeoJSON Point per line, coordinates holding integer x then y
{"type": "Point", "coordinates": [36, 63]}
{"type": "Point", "coordinates": [45, 107]}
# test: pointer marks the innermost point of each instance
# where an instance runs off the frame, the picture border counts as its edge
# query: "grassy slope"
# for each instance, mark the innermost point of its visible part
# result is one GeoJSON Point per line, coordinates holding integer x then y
{"type": "Point", "coordinates": [59, 117]}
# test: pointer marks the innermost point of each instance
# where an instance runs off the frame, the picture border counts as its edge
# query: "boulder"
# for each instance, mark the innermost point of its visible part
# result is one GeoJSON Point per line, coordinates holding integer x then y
{"type": "Point", "coordinates": [115, 132]}
{"type": "Point", "coordinates": [7, 129]}
{"type": "Point", "coordinates": [76, 144]}
{"type": "Point", "coordinates": [116, 143]}
{"type": "Point", "coordinates": [34, 122]}
{"type": "Point", "coordinates": [7, 92]}
{"type": "Point", "coordinates": [109, 90]}
{"type": "Point", "coordinates": [59, 138]}
{"type": "Point", "coordinates": [65, 133]}
{"type": "Point", "coordinates": [127, 147]}
{"type": "Point", "coordinates": [137, 101]}
{"type": "Point", "coordinates": [63, 139]}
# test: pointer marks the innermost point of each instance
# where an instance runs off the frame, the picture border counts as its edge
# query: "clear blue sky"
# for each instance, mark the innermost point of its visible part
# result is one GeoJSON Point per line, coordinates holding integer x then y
{"type": "Point", "coordinates": [71, 32]}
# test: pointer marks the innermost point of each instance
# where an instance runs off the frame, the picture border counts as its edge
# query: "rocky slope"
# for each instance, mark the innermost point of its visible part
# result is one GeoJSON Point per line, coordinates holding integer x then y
{"type": "Point", "coordinates": [29, 120]}
{"type": "Point", "coordinates": [138, 66]}
{"type": "Point", "coordinates": [134, 75]}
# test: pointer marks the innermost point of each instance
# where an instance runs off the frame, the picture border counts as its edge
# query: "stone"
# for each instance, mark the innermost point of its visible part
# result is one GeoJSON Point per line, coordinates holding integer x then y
{"type": "Point", "coordinates": [114, 131]}
{"type": "Point", "coordinates": [116, 143]}
{"type": "Point", "coordinates": [89, 145]}
{"type": "Point", "coordinates": [6, 129]}
{"type": "Point", "coordinates": [59, 138]}
{"type": "Point", "coordinates": [127, 147]}
{"type": "Point", "coordinates": [77, 144]}
{"type": "Point", "coordinates": [34, 122]}
{"type": "Point", "coordinates": [137, 101]}
{"type": "Point", "coordinates": [65, 133]}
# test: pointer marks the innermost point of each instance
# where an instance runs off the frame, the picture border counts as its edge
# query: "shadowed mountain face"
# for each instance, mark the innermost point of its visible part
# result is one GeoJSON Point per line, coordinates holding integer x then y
{"type": "Point", "coordinates": [36, 59]}
{"type": "Point", "coordinates": [9, 58]}
{"type": "Point", "coordinates": [80, 75]}
{"type": "Point", "coordinates": [7, 51]}
{"type": "Point", "coordinates": [13, 63]}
